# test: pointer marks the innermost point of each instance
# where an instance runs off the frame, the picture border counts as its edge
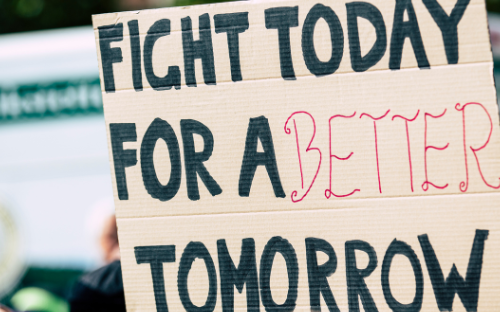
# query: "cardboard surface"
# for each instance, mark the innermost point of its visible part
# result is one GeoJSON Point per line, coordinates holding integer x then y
{"type": "Point", "coordinates": [349, 146]}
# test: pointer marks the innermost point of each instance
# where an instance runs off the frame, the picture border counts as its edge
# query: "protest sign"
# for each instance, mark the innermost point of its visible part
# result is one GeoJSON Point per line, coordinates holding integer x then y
{"type": "Point", "coordinates": [302, 155]}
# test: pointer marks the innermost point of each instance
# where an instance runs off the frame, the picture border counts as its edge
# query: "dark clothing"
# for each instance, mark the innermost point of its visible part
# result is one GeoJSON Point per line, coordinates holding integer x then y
{"type": "Point", "coordinates": [100, 290]}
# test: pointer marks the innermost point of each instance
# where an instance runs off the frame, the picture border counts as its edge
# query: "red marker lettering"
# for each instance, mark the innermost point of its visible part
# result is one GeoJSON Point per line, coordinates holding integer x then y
{"type": "Point", "coordinates": [309, 148]}
{"type": "Point", "coordinates": [408, 142]}
{"type": "Point", "coordinates": [329, 192]}
{"type": "Point", "coordinates": [425, 185]}
{"type": "Point", "coordinates": [376, 144]}
{"type": "Point", "coordinates": [465, 184]}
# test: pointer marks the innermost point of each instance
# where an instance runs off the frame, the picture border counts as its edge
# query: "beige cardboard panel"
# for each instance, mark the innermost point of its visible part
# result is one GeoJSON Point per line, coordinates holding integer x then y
{"type": "Point", "coordinates": [404, 93]}
{"type": "Point", "coordinates": [449, 221]}
{"type": "Point", "coordinates": [259, 52]}
{"type": "Point", "coordinates": [372, 156]}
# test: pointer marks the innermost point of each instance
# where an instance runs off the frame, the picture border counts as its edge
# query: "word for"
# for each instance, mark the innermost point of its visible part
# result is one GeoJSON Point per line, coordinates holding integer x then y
{"type": "Point", "coordinates": [258, 286]}
{"type": "Point", "coordinates": [281, 19]}
{"type": "Point", "coordinates": [425, 185]}
{"type": "Point", "coordinates": [258, 129]}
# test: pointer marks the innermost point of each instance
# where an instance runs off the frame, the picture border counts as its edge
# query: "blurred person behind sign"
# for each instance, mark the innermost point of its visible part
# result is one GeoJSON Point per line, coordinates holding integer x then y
{"type": "Point", "coordinates": [102, 289]}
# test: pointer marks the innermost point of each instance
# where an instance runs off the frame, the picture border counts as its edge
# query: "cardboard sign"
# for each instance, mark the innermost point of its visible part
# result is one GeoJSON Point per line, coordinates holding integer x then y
{"type": "Point", "coordinates": [304, 156]}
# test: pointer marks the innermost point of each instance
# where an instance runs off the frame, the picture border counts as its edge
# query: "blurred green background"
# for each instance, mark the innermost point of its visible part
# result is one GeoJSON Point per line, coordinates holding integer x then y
{"type": "Point", "coordinates": [29, 15]}
{"type": "Point", "coordinates": [38, 76]}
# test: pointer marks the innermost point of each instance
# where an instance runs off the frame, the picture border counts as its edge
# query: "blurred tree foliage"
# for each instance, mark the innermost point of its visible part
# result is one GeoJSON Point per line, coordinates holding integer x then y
{"type": "Point", "coordinates": [29, 15]}
{"type": "Point", "coordinates": [493, 6]}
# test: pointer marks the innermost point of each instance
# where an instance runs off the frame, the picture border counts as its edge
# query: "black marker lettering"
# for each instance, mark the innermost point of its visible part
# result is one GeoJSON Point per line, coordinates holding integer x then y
{"type": "Point", "coordinates": [401, 248]}
{"type": "Point", "coordinates": [468, 289]}
{"type": "Point", "coordinates": [135, 47]}
{"type": "Point", "coordinates": [120, 133]}
{"type": "Point", "coordinates": [201, 49]}
{"type": "Point", "coordinates": [196, 250]}
{"type": "Point", "coordinates": [282, 19]}
{"type": "Point", "coordinates": [156, 256]}
{"type": "Point", "coordinates": [173, 78]}
{"type": "Point", "coordinates": [317, 274]}
{"type": "Point", "coordinates": [233, 24]}
{"type": "Point", "coordinates": [356, 285]}
{"type": "Point", "coordinates": [194, 161]}
{"type": "Point", "coordinates": [372, 14]}
{"type": "Point", "coordinates": [160, 129]}
{"type": "Point", "coordinates": [258, 128]}
{"type": "Point", "coordinates": [401, 30]}
{"type": "Point", "coordinates": [230, 276]}
{"type": "Point", "coordinates": [108, 34]}
{"type": "Point", "coordinates": [448, 25]}
{"type": "Point", "coordinates": [313, 63]}
{"type": "Point", "coordinates": [274, 245]}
